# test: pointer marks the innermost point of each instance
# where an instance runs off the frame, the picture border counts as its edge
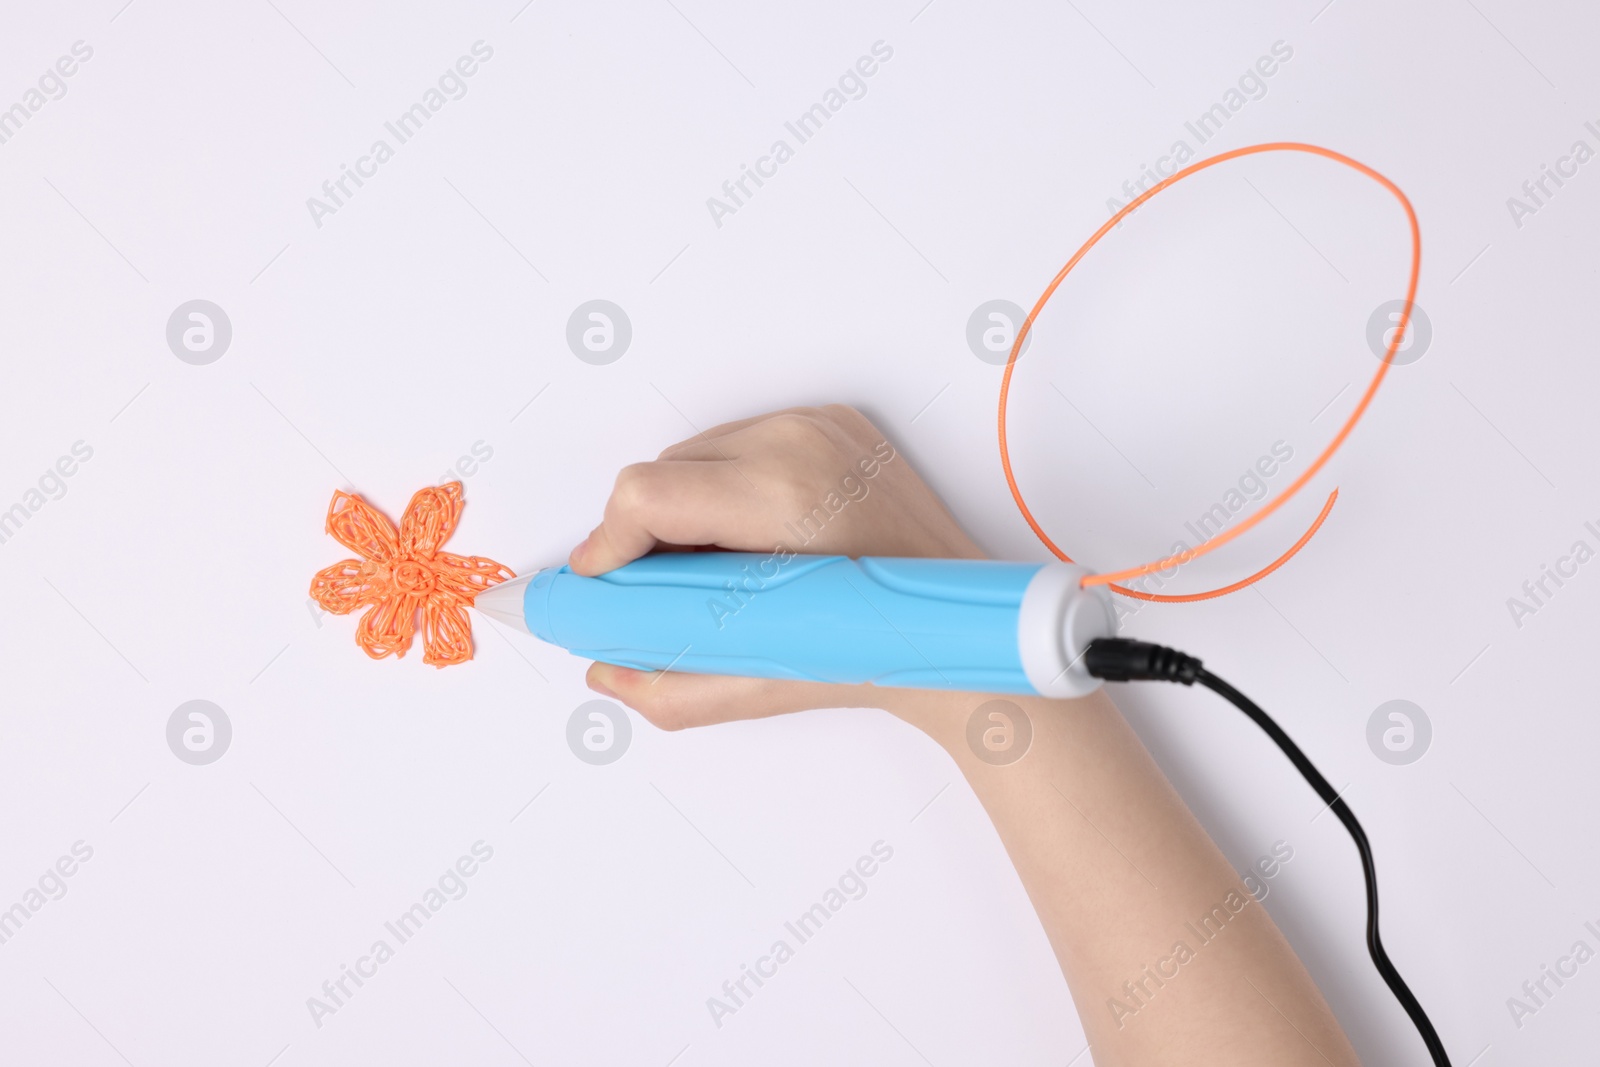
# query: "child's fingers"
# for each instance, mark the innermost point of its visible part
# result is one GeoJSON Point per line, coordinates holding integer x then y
{"type": "Point", "coordinates": [683, 503]}
{"type": "Point", "coordinates": [672, 700]}
{"type": "Point", "coordinates": [727, 429]}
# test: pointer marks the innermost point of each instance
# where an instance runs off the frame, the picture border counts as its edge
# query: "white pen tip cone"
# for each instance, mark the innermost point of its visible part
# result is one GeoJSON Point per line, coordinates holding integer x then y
{"type": "Point", "coordinates": [503, 602]}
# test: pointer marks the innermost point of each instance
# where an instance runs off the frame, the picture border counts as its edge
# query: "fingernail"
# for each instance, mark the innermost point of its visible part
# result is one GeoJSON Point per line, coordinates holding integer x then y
{"type": "Point", "coordinates": [576, 555]}
{"type": "Point", "coordinates": [603, 691]}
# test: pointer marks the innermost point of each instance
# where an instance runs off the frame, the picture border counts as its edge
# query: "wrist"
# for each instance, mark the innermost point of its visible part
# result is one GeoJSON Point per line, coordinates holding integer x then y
{"type": "Point", "coordinates": [941, 714]}
{"type": "Point", "coordinates": [948, 719]}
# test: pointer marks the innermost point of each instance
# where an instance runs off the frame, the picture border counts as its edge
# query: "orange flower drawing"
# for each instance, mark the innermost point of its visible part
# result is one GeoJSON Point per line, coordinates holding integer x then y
{"type": "Point", "coordinates": [401, 572]}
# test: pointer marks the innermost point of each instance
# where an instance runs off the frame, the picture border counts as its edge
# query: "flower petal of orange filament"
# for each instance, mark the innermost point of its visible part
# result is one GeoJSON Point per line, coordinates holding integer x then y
{"type": "Point", "coordinates": [403, 572]}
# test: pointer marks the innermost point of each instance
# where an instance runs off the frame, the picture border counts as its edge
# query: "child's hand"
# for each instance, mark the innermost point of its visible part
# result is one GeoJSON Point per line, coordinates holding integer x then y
{"type": "Point", "coordinates": [1087, 817]}
{"type": "Point", "coordinates": [819, 481]}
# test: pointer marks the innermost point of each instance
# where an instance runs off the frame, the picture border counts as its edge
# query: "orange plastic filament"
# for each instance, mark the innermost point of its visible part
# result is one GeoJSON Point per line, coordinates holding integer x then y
{"type": "Point", "coordinates": [399, 573]}
{"type": "Point", "coordinates": [1223, 537]}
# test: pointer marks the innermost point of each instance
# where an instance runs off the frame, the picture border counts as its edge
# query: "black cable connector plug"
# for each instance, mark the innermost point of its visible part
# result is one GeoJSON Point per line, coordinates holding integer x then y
{"type": "Point", "coordinates": [1118, 659]}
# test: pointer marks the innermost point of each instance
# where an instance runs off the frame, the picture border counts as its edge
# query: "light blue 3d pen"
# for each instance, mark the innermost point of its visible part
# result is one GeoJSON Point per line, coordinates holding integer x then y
{"type": "Point", "coordinates": [977, 625]}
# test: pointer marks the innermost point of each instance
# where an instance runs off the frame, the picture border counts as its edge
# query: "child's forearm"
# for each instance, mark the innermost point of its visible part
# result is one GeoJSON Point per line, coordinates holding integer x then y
{"type": "Point", "coordinates": [1169, 958]}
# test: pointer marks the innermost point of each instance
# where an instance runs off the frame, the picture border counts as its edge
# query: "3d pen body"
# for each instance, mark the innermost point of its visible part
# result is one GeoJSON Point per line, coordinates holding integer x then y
{"type": "Point", "coordinates": [978, 625]}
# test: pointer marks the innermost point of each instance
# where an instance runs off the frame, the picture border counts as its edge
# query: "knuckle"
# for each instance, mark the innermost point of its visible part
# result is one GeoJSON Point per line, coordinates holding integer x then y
{"type": "Point", "coordinates": [633, 487]}
{"type": "Point", "coordinates": [798, 431]}
{"type": "Point", "coordinates": [853, 422]}
{"type": "Point", "coordinates": [794, 494]}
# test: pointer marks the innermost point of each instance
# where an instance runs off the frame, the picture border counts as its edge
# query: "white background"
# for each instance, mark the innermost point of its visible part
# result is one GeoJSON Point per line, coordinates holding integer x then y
{"type": "Point", "coordinates": [371, 352]}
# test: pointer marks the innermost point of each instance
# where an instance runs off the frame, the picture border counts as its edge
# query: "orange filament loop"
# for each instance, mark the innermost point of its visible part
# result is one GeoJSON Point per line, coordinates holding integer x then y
{"type": "Point", "coordinates": [1115, 577]}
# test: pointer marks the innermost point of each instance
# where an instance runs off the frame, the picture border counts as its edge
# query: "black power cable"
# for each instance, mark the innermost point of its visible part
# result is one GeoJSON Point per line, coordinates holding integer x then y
{"type": "Point", "coordinates": [1116, 659]}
